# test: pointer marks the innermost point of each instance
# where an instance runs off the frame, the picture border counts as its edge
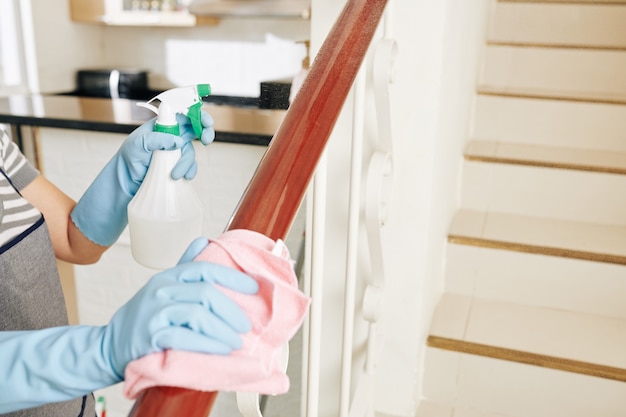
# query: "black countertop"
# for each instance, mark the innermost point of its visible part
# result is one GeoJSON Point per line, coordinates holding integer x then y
{"type": "Point", "coordinates": [236, 124]}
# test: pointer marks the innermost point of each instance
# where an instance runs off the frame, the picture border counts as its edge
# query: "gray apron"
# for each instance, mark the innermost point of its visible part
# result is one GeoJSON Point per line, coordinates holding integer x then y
{"type": "Point", "coordinates": [31, 298]}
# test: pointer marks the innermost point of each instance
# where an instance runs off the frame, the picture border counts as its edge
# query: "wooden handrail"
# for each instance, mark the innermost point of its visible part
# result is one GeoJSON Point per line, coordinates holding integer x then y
{"type": "Point", "coordinates": [271, 201]}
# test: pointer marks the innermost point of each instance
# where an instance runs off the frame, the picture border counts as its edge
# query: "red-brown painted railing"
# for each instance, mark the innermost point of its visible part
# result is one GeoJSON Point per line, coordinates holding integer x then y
{"type": "Point", "coordinates": [277, 189]}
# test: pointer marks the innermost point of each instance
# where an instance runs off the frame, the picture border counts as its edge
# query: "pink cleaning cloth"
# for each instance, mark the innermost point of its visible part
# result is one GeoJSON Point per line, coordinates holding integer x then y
{"type": "Point", "coordinates": [276, 313]}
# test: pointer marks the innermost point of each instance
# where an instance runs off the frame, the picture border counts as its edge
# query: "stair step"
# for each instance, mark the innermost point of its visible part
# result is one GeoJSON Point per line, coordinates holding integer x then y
{"type": "Point", "coordinates": [567, 74]}
{"type": "Point", "coordinates": [556, 339]}
{"type": "Point", "coordinates": [547, 156]}
{"type": "Point", "coordinates": [579, 25]}
{"type": "Point", "coordinates": [544, 236]}
{"type": "Point", "coordinates": [479, 386]}
{"type": "Point", "coordinates": [597, 288]}
{"type": "Point", "coordinates": [550, 122]}
{"type": "Point", "coordinates": [534, 191]}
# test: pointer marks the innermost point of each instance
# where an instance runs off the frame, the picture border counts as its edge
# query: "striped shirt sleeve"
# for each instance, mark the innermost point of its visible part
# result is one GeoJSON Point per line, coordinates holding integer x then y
{"type": "Point", "coordinates": [16, 214]}
{"type": "Point", "coordinates": [14, 163]}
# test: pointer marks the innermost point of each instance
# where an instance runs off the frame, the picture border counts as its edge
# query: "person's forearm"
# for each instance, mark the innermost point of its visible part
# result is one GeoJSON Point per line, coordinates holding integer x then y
{"type": "Point", "coordinates": [51, 365]}
{"type": "Point", "coordinates": [82, 250]}
{"type": "Point", "coordinates": [68, 241]}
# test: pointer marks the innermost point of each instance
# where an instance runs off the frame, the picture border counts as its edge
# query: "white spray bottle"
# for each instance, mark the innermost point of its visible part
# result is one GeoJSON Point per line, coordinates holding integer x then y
{"type": "Point", "coordinates": [166, 214]}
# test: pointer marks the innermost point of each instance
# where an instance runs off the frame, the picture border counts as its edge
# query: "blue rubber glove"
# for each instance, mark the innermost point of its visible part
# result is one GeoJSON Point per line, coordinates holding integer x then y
{"type": "Point", "coordinates": [101, 213]}
{"type": "Point", "coordinates": [179, 308]}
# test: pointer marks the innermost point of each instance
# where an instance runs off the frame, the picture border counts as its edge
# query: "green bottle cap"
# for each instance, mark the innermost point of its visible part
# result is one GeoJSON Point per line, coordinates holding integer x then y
{"type": "Point", "coordinates": [173, 129]}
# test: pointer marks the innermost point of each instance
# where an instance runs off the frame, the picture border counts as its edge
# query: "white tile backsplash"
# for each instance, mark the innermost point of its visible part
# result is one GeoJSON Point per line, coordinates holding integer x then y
{"type": "Point", "coordinates": [234, 68]}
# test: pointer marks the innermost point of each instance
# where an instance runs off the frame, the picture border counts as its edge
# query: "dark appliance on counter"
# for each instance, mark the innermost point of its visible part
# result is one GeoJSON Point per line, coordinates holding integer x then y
{"type": "Point", "coordinates": [133, 84]}
{"type": "Point", "coordinates": [113, 83]}
{"type": "Point", "coordinates": [275, 94]}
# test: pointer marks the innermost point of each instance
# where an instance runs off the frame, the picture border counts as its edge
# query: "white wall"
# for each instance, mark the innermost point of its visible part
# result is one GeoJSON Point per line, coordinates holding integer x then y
{"type": "Point", "coordinates": [63, 46]}
{"type": "Point", "coordinates": [439, 48]}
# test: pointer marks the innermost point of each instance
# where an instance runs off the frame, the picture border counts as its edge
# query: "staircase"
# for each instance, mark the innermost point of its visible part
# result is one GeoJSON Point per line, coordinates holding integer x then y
{"type": "Point", "coordinates": [533, 319]}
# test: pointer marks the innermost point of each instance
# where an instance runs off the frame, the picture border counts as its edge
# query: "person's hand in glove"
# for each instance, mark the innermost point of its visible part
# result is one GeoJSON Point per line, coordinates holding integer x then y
{"type": "Point", "coordinates": [180, 308]}
{"type": "Point", "coordinates": [101, 213]}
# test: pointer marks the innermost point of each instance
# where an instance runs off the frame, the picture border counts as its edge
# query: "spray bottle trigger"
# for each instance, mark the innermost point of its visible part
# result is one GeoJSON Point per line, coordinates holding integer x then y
{"type": "Point", "coordinates": [149, 106]}
{"type": "Point", "coordinates": [195, 116]}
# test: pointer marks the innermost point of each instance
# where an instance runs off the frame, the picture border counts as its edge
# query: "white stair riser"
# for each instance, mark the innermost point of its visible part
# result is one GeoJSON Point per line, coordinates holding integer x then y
{"type": "Point", "coordinates": [544, 192]}
{"type": "Point", "coordinates": [569, 73]}
{"type": "Point", "coordinates": [551, 123]}
{"type": "Point", "coordinates": [537, 280]}
{"type": "Point", "coordinates": [586, 25]}
{"type": "Point", "coordinates": [431, 409]}
{"type": "Point", "coordinates": [517, 390]}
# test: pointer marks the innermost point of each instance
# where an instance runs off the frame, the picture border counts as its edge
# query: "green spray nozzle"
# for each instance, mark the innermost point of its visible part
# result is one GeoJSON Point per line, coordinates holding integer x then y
{"type": "Point", "coordinates": [183, 100]}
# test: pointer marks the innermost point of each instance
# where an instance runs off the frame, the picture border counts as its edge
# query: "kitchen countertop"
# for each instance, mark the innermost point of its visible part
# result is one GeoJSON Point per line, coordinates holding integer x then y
{"type": "Point", "coordinates": [235, 124]}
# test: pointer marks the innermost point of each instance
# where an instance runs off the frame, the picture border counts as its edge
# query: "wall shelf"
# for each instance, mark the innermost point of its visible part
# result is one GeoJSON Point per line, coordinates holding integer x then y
{"type": "Point", "coordinates": [300, 9]}
{"type": "Point", "coordinates": [148, 18]}
{"type": "Point", "coordinates": [114, 13]}
{"type": "Point", "coordinates": [194, 12]}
